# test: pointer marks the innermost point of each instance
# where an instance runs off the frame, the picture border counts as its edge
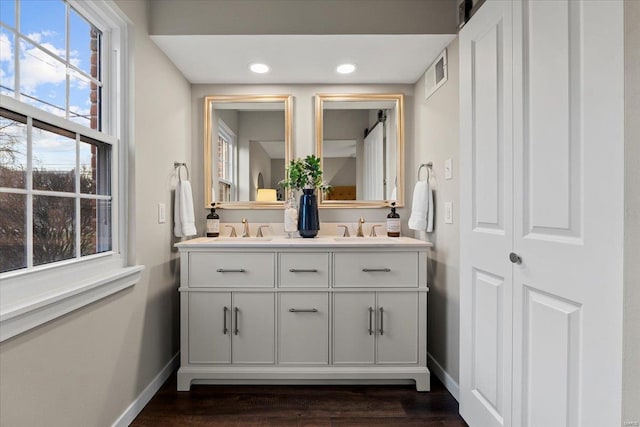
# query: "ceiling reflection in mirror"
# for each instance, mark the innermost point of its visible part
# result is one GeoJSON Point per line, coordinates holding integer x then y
{"type": "Point", "coordinates": [247, 145]}
{"type": "Point", "coordinates": [360, 138]}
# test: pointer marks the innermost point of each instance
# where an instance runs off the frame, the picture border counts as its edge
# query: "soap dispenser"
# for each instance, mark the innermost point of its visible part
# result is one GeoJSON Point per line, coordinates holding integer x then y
{"type": "Point", "coordinates": [393, 222]}
{"type": "Point", "coordinates": [213, 222]}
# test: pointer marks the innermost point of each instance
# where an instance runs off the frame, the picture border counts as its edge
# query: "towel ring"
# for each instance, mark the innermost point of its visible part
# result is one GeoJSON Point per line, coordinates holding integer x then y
{"type": "Point", "coordinates": [179, 167]}
{"type": "Point", "coordinates": [429, 167]}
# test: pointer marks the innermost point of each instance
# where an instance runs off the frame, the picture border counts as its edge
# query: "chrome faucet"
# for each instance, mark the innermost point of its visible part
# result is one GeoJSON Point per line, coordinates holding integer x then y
{"type": "Point", "coordinates": [245, 232]}
{"type": "Point", "coordinates": [360, 222]}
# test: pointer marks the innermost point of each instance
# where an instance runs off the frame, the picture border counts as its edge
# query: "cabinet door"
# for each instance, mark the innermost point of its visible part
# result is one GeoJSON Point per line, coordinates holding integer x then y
{"type": "Point", "coordinates": [209, 341]}
{"type": "Point", "coordinates": [303, 329]}
{"type": "Point", "coordinates": [397, 321]}
{"type": "Point", "coordinates": [253, 328]}
{"type": "Point", "coordinates": [354, 327]}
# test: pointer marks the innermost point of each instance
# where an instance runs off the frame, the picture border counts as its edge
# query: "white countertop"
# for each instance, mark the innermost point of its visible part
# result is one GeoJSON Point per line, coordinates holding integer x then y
{"type": "Point", "coordinates": [316, 242]}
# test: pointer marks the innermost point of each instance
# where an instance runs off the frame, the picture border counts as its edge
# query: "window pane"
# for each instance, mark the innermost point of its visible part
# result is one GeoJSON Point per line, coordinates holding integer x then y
{"type": "Point", "coordinates": [54, 159]}
{"type": "Point", "coordinates": [80, 104]}
{"type": "Point", "coordinates": [42, 79]}
{"type": "Point", "coordinates": [95, 226]}
{"type": "Point", "coordinates": [43, 21]}
{"type": "Point", "coordinates": [7, 62]}
{"type": "Point", "coordinates": [95, 167]}
{"type": "Point", "coordinates": [13, 236]}
{"type": "Point", "coordinates": [13, 150]}
{"type": "Point", "coordinates": [53, 235]}
{"type": "Point", "coordinates": [8, 12]}
{"type": "Point", "coordinates": [84, 44]}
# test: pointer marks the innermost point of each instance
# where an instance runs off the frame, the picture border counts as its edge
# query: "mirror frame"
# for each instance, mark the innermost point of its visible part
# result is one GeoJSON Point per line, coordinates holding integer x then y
{"type": "Point", "coordinates": [288, 146]}
{"type": "Point", "coordinates": [320, 99]}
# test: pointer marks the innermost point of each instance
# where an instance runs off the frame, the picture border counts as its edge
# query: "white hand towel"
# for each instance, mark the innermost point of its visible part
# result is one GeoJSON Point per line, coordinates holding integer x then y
{"type": "Point", "coordinates": [183, 217]}
{"type": "Point", "coordinates": [420, 206]}
{"type": "Point", "coordinates": [430, 210]}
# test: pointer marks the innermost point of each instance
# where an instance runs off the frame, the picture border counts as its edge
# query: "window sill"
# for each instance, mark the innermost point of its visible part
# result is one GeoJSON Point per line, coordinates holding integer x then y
{"type": "Point", "coordinates": [22, 317]}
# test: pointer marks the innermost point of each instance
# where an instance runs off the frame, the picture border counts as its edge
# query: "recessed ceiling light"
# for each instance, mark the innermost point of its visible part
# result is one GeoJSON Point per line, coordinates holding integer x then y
{"type": "Point", "coordinates": [346, 68]}
{"type": "Point", "coordinates": [259, 68]}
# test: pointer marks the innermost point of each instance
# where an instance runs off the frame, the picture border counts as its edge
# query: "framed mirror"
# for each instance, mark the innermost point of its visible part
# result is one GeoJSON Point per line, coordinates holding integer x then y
{"type": "Point", "coordinates": [360, 141]}
{"type": "Point", "coordinates": [247, 145]}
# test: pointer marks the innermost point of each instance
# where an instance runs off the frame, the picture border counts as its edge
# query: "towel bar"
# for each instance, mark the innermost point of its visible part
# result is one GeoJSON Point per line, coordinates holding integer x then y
{"type": "Point", "coordinates": [178, 166]}
{"type": "Point", "coordinates": [429, 167]}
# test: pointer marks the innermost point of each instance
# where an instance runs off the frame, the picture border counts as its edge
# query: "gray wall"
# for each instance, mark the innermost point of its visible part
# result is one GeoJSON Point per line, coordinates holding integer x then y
{"type": "Point", "coordinates": [303, 17]}
{"type": "Point", "coordinates": [631, 351]}
{"type": "Point", "coordinates": [436, 133]}
{"type": "Point", "coordinates": [86, 368]}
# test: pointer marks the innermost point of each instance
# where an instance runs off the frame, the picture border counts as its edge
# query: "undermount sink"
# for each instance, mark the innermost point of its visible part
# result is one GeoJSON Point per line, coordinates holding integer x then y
{"type": "Point", "coordinates": [243, 239]}
{"type": "Point", "coordinates": [362, 239]}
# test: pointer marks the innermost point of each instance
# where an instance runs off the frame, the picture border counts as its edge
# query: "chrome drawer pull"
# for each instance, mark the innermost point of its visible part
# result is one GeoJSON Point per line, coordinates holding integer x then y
{"type": "Point", "coordinates": [225, 330]}
{"type": "Point", "coordinates": [226, 270]}
{"type": "Point", "coordinates": [236, 330]}
{"type": "Point", "coordinates": [303, 310]}
{"type": "Point", "coordinates": [302, 270]}
{"type": "Point", "coordinates": [374, 270]}
{"type": "Point", "coordinates": [381, 321]}
{"type": "Point", "coordinates": [371, 310]}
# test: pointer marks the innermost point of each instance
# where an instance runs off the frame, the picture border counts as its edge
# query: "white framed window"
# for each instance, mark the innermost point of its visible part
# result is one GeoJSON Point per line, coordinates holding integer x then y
{"type": "Point", "coordinates": [64, 76]}
{"type": "Point", "coordinates": [227, 161]}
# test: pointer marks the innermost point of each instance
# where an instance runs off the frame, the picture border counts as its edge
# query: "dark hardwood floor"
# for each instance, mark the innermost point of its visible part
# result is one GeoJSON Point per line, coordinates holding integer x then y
{"type": "Point", "coordinates": [319, 405]}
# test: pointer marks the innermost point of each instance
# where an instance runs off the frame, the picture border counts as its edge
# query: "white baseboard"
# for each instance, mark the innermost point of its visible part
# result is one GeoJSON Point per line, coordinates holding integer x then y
{"type": "Point", "coordinates": [443, 376]}
{"type": "Point", "coordinates": [145, 396]}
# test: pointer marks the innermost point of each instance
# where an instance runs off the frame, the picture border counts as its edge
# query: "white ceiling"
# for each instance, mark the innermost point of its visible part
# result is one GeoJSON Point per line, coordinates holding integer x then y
{"type": "Point", "coordinates": [298, 59]}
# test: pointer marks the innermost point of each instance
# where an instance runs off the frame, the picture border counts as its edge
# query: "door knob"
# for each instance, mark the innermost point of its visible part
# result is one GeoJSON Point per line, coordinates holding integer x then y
{"type": "Point", "coordinates": [515, 258]}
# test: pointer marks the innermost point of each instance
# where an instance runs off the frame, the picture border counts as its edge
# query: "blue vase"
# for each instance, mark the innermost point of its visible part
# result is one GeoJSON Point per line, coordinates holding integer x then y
{"type": "Point", "coordinates": [308, 219]}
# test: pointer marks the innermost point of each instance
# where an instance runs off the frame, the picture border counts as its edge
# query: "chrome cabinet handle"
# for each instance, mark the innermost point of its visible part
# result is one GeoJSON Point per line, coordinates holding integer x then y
{"type": "Point", "coordinates": [302, 270]}
{"type": "Point", "coordinates": [373, 270]}
{"type": "Point", "coordinates": [381, 321]}
{"type": "Point", "coordinates": [235, 312]}
{"type": "Point", "coordinates": [231, 270]}
{"type": "Point", "coordinates": [371, 310]}
{"type": "Point", "coordinates": [303, 310]}
{"type": "Point", "coordinates": [515, 258]}
{"type": "Point", "coordinates": [224, 329]}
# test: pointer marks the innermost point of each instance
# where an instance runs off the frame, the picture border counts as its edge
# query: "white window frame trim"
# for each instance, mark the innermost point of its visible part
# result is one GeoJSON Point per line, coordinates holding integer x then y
{"type": "Point", "coordinates": [27, 298]}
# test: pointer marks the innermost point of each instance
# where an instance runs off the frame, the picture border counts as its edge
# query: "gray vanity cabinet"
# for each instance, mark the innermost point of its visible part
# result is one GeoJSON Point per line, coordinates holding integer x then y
{"type": "Point", "coordinates": [303, 311]}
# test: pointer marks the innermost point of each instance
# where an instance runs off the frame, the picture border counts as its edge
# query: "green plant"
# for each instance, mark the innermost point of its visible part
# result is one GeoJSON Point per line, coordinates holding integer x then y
{"type": "Point", "coordinates": [304, 173]}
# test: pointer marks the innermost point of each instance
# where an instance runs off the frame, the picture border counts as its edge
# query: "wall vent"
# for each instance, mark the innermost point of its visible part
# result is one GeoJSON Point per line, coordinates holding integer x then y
{"type": "Point", "coordinates": [436, 75]}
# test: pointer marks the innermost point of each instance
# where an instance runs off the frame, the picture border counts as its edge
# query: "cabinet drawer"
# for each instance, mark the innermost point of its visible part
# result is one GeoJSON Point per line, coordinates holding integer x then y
{"type": "Point", "coordinates": [254, 269]}
{"type": "Point", "coordinates": [304, 269]}
{"type": "Point", "coordinates": [303, 332]}
{"type": "Point", "coordinates": [379, 269]}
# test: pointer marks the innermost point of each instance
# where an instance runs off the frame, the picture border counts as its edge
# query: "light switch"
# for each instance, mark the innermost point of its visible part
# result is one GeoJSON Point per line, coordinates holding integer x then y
{"type": "Point", "coordinates": [162, 213]}
{"type": "Point", "coordinates": [448, 213]}
{"type": "Point", "coordinates": [448, 169]}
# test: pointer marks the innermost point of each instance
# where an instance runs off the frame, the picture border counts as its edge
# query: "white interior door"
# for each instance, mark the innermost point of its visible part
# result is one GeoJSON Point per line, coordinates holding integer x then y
{"type": "Point", "coordinates": [486, 216]}
{"type": "Point", "coordinates": [568, 203]}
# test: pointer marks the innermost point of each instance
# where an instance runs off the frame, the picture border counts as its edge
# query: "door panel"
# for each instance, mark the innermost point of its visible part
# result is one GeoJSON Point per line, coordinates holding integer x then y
{"type": "Point", "coordinates": [208, 340]}
{"type": "Point", "coordinates": [397, 318]}
{"type": "Point", "coordinates": [487, 340]}
{"type": "Point", "coordinates": [486, 215]}
{"type": "Point", "coordinates": [253, 336]}
{"type": "Point", "coordinates": [551, 377]}
{"type": "Point", "coordinates": [552, 114]}
{"type": "Point", "coordinates": [353, 343]}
